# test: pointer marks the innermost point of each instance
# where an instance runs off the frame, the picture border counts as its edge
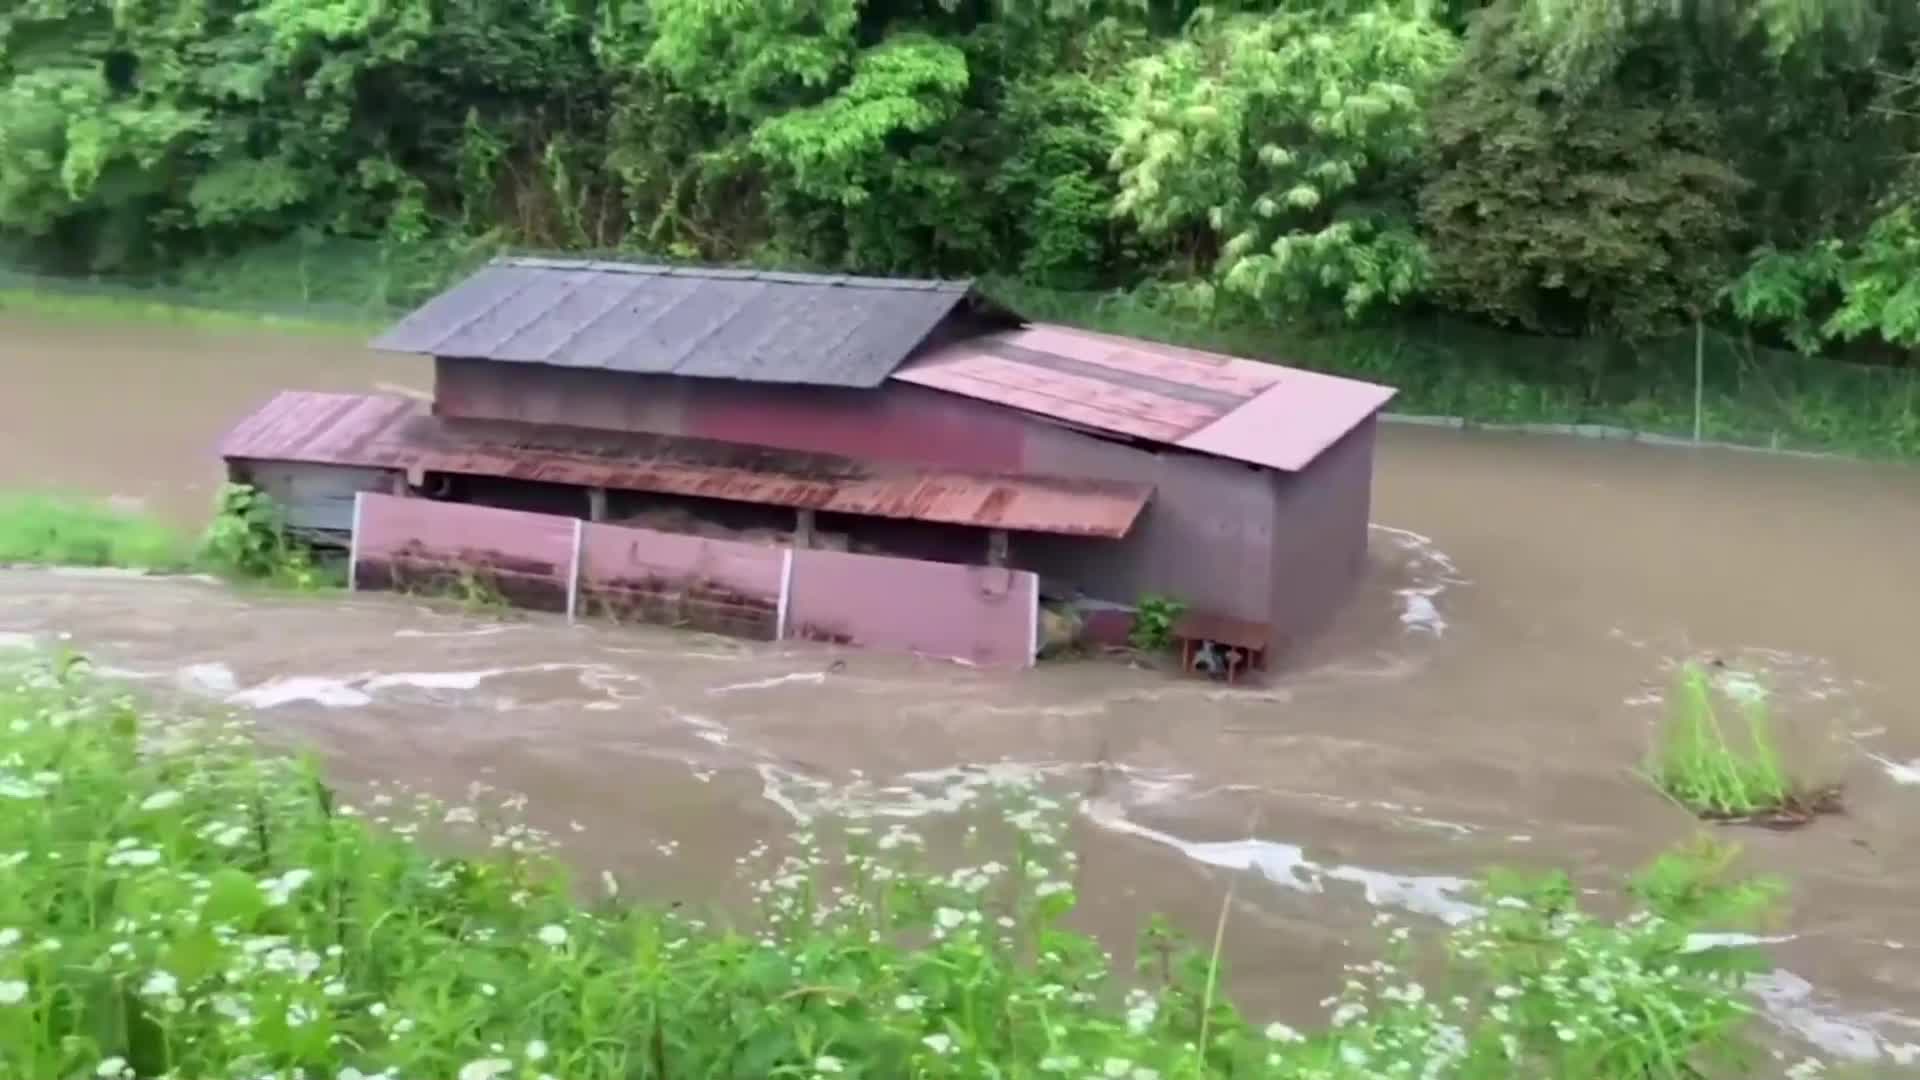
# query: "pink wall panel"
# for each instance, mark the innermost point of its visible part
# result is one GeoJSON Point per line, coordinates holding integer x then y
{"type": "Point", "coordinates": [646, 576]}
{"type": "Point", "coordinates": [983, 615]}
{"type": "Point", "coordinates": [419, 545]}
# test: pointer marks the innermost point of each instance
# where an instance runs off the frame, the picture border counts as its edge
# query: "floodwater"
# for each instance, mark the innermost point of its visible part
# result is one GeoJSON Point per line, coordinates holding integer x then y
{"type": "Point", "coordinates": [1484, 701]}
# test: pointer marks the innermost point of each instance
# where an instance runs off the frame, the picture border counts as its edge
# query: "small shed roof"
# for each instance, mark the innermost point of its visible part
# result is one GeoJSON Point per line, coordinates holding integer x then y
{"type": "Point", "coordinates": [381, 431]}
{"type": "Point", "coordinates": [1263, 414]}
{"type": "Point", "coordinates": [752, 325]}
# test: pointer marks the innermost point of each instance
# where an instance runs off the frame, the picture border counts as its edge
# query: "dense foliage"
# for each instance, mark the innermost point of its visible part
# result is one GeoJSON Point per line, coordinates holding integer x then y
{"type": "Point", "coordinates": [179, 906]}
{"type": "Point", "coordinates": [1617, 168]}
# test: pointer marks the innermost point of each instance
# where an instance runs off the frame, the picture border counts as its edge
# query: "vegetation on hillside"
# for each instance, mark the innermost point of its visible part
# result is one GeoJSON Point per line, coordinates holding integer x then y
{"type": "Point", "coordinates": [1599, 174]}
{"type": "Point", "coordinates": [179, 905]}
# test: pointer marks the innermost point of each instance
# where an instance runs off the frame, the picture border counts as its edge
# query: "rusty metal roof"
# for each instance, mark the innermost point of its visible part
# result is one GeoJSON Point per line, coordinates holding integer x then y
{"type": "Point", "coordinates": [380, 431]}
{"type": "Point", "coordinates": [1260, 413]}
{"type": "Point", "coordinates": [752, 325]}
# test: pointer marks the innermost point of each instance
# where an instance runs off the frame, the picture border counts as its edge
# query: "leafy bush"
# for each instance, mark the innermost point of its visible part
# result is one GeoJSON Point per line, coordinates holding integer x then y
{"type": "Point", "coordinates": [1153, 623]}
{"type": "Point", "coordinates": [248, 539]}
{"type": "Point", "coordinates": [57, 531]}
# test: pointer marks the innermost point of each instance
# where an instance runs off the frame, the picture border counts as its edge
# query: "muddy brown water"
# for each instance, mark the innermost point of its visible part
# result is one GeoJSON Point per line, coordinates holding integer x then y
{"type": "Point", "coordinates": [1483, 701]}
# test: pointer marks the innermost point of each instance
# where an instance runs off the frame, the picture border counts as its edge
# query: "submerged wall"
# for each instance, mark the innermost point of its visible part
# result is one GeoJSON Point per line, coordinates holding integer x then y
{"type": "Point", "coordinates": [984, 616]}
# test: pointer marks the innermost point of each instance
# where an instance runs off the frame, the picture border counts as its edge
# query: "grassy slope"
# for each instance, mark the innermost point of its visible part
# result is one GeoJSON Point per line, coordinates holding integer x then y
{"type": "Point", "coordinates": [61, 531]}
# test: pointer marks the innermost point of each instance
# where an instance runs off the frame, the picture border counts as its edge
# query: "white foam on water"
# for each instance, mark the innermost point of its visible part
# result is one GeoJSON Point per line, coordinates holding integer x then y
{"type": "Point", "coordinates": [1907, 773]}
{"type": "Point", "coordinates": [441, 680]}
{"type": "Point", "coordinates": [1791, 1004]}
{"type": "Point", "coordinates": [318, 689]}
{"type": "Point", "coordinates": [207, 678]}
{"type": "Point", "coordinates": [1702, 942]}
{"type": "Point", "coordinates": [813, 678]}
{"type": "Point", "coordinates": [478, 631]}
{"type": "Point", "coordinates": [11, 640]}
{"type": "Point", "coordinates": [1436, 896]}
{"type": "Point", "coordinates": [1434, 573]}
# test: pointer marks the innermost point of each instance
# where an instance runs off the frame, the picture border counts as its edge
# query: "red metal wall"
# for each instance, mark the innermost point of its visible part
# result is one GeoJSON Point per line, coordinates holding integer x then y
{"type": "Point", "coordinates": [1320, 534]}
{"type": "Point", "coordinates": [983, 615]}
{"type": "Point", "coordinates": [894, 422]}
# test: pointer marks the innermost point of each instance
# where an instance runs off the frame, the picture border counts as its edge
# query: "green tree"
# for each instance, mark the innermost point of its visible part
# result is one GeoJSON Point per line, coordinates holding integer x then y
{"type": "Point", "coordinates": [1613, 213]}
{"type": "Point", "coordinates": [1278, 149]}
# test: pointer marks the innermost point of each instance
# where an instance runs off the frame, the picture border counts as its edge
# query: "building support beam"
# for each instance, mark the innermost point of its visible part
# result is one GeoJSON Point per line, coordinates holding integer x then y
{"type": "Point", "coordinates": [997, 547]}
{"type": "Point", "coordinates": [596, 504]}
{"type": "Point", "coordinates": [803, 528]}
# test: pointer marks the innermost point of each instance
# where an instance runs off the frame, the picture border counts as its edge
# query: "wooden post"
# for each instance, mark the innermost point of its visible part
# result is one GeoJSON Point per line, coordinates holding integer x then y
{"type": "Point", "coordinates": [997, 547]}
{"type": "Point", "coordinates": [399, 485]}
{"type": "Point", "coordinates": [803, 528]}
{"type": "Point", "coordinates": [596, 504]}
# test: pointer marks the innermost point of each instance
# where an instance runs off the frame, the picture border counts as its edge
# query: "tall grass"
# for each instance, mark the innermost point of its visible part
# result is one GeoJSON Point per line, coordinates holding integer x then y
{"type": "Point", "coordinates": [64, 531]}
{"type": "Point", "coordinates": [177, 906]}
{"type": "Point", "coordinates": [1716, 767]}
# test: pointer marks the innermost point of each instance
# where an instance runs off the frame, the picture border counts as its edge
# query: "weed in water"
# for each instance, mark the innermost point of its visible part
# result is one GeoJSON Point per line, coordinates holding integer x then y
{"type": "Point", "coordinates": [1153, 623]}
{"type": "Point", "coordinates": [178, 905]}
{"type": "Point", "coordinates": [1726, 771]}
{"type": "Point", "coordinates": [59, 531]}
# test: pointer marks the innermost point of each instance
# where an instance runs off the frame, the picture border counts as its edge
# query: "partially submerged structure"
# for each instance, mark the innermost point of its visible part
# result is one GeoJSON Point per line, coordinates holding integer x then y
{"type": "Point", "coordinates": [898, 417]}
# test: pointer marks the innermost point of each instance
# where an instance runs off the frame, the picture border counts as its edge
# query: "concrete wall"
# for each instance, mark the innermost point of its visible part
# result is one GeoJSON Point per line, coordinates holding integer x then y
{"type": "Point", "coordinates": [987, 616]}
{"type": "Point", "coordinates": [1320, 535]}
{"type": "Point", "coordinates": [438, 548]}
{"type": "Point", "coordinates": [638, 575]}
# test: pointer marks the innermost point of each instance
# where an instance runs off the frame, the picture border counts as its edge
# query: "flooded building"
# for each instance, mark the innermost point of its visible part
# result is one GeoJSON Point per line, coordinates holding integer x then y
{"type": "Point", "coordinates": [905, 418]}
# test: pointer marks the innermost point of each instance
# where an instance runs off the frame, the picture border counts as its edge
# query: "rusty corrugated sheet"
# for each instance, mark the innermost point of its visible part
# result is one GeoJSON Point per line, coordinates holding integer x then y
{"type": "Point", "coordinates": [1263, 414]}
{"type": "Point", "coordinates": [751, 325]}
{"type": "Point", "coordinates": [387, 432]}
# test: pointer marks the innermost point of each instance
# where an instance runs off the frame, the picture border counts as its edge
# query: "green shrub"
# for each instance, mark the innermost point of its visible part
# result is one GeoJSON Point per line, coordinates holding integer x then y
{"type": "Point", "coordinates": [61, 531]}
{"type": "Point", "coordinates": [1153, 623]}
{"type": "Point", "coordinates": [248, 540]}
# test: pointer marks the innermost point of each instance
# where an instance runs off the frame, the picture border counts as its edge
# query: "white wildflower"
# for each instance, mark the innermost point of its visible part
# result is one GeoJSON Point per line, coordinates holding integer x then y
{"type": "Point", "coordinates": [553, 935]}
{"type": "Point", "coordinates": [537, 1051]}
{"type": "Point", "coordinates": [948, 918]}
{"type": "Point", "coordinates": [1116, 1067]}
{"type": "Point", "coordinates": [160, 984]}
{"type": "Point", "coordinates": [1506, 993]}
{"type": "Point", "coordinates": [1144, 1073]}
{"type": "Point", "coordinates": [12, 991]}
{"type": "Point", "coordinates": [1049, 888]}
{"type": "Point", "coordinates": [9, 937]}
{"type": "Point", "coordinates": [161, 800]}
{"type": "Point", "coordinates": [1280, 1032]}
{"type": "Point", "coordinates": [485, 1069]}
{"type": "Point", "coordinates": [939, 1044]}
{"type": "Point", "coordinates": [134, 857]}
{"type": "Point", "coordinates": [825, 1063]}
{"type": "Point", "coordinates": [1348, 1013]}
{"type": "Point", "coordinates": [909, 1002]}
{"type": "Point", "coordinates": [113, 1067]}
{"type": "Point", "coordinates": [1064, 1063]}
{"type": "Point", "coordinates": [231, 836]}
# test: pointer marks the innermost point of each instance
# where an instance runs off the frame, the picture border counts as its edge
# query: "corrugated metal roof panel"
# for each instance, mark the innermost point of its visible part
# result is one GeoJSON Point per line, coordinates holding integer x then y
{"type": "Point", "coordinates": [1263, 414]}
{"type": "Point", "coordinates": [390, 432]}
{"type": "Point", "coordinates": [756, 325]}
